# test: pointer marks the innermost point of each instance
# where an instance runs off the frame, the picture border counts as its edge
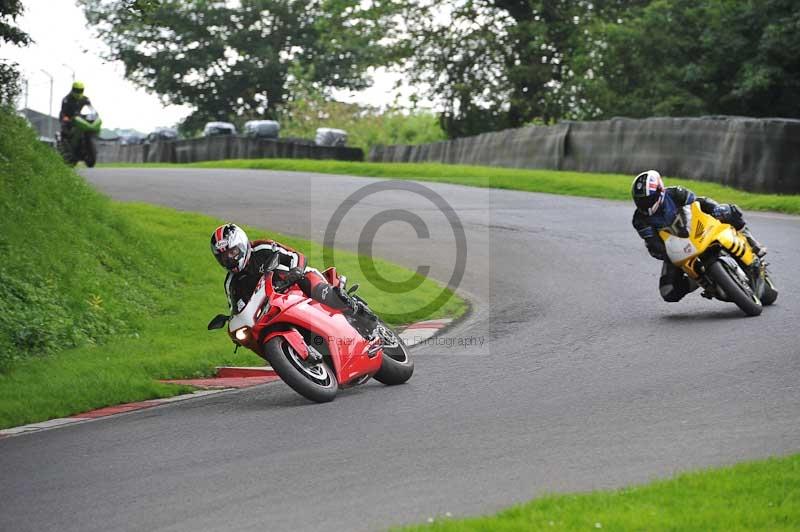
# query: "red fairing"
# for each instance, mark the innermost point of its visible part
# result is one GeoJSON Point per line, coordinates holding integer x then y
{"type": "Point", "coordinates": [348, 349]}
{"type": "Point", "coordinates": [294, 338]}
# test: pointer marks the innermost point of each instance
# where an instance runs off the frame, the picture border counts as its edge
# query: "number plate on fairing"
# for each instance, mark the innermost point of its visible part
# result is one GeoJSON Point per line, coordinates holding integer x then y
{"type": "Point", "coordinates": [247, 317]}
{"type": "Point", "coordinates": [680, 249]}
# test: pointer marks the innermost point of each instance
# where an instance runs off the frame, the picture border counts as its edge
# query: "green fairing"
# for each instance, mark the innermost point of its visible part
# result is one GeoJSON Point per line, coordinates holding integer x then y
{"type": "Point", "coordinates": [87, 127]}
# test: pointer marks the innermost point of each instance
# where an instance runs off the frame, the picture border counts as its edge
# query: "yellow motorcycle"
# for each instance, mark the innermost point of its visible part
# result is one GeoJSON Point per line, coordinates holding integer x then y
{"type": "Point", "coordinates": [719, 259]}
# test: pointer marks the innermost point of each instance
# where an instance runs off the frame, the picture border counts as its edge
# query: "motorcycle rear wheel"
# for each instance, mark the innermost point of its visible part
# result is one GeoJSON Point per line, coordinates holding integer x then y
{"type": "Point", "coordinates": [396, 366]}
{"type": "Point", "coordinates": [742, 296]}
{"type": "Point", "coordinates": [316, 382]}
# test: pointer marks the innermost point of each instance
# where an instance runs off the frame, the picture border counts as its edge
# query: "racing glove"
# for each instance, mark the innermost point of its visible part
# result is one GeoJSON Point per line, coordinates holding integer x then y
{"type": "Point", "coordinates": [730, 214]}
{"type": "Point", "coordinates": [292, 276]}
{"type": "Point", "coordinates": [656, 248]}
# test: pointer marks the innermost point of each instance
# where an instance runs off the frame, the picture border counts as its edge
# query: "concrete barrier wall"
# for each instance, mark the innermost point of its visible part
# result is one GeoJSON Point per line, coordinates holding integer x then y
{"type": "Point", "coordinates": [113, 152]}
{"type": "Point", "coordinates": [760, 155]}
{"type": "Point", "coordinates": [220, 148]}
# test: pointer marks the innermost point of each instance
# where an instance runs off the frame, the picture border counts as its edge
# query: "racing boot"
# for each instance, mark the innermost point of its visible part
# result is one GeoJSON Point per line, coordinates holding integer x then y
{"type": "Point", "coordinates": [360, 315]}
{"type": "Point", "coordinates": [758, 249]}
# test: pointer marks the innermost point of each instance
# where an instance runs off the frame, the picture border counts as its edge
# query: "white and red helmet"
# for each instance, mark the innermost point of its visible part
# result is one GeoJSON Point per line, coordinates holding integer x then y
{"type": "Point", "coordinates": [648, 192]}
{"type": "Point", "coordinates": [231, 247]}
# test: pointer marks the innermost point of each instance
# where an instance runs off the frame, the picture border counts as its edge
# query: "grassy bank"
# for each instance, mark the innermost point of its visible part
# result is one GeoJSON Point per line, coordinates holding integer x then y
{"type": "Point", "coordinates": [100, 298]}
{"type": "Point", "coordinates": [169, 339]}
{"type": "Point", "coordinates": [762, 495]}
{"type": "Point", "coordinates": [606, 186]}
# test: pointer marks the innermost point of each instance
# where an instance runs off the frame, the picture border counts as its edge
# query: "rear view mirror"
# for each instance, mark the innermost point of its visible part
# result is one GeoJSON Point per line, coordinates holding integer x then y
{"type": "Point", "coordinates": [218, 322]}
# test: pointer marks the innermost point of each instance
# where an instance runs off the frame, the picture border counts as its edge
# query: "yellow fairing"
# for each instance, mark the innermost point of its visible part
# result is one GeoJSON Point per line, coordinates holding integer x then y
{"type": "Point", "coordinates": [704, 231]}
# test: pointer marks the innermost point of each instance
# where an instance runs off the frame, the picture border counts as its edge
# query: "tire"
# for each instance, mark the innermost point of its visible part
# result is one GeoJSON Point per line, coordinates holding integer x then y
{"type": "Point", "coordinates": [770, 292]}
{"type": "Point", "coordinates": [91, 152]}
{"type": "Point", "coordinates": [300, 377]}
{"type": "Point", "coordinates": [743, 296]}
{"type": "Point", "coordinates": [396, 366]}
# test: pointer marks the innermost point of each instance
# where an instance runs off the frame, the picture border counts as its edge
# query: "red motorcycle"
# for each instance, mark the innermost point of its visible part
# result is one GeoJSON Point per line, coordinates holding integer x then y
{"type": "Point", "coordinates": [315, 349]}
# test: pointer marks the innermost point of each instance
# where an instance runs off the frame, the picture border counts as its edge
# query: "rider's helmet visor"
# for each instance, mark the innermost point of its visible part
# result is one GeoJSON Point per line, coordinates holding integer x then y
{"type": "Point", "coordinates": [648, 204]}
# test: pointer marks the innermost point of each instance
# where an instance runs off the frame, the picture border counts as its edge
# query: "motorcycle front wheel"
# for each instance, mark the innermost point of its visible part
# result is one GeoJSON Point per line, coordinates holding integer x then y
{"type": "Point", "coordinates": [737, 290]}
{"type": "Point", "coordinates": [91, 152]}
{"type": "Point", "coordinates": [396, 366]}
{"type": "Point", "coordinates": [316, 382]}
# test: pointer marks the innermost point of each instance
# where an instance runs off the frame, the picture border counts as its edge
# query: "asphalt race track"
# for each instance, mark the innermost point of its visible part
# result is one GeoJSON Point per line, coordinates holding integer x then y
{"type": "Point", "coordinates": [584, 378]}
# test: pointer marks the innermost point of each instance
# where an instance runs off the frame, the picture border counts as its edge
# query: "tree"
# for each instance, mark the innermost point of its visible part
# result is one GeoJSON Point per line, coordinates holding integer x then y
{"type": "Point", "coordinates": [687, 58]}
{"type": "Point", "coordinates": [494, 64]}
{"type": "Point", "coordinates": [9, 75]}
{"type": "Point", "coordinates": [235, 59]}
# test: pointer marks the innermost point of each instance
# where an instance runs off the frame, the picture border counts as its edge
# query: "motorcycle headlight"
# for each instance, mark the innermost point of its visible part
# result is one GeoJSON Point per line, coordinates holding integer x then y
{"type": "Point", "coordinates": [243, 334]}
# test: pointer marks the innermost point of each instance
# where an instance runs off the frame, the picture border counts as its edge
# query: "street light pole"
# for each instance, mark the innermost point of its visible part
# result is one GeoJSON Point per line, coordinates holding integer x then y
{"type": "Point", "coordinates": [70, 69]}
{"type": "Point", "coordinates": [50, 111]}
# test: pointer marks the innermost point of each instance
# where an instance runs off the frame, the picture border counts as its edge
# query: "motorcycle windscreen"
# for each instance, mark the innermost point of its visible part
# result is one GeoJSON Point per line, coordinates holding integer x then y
{"type": "Point", "coordinates": [88, 113]}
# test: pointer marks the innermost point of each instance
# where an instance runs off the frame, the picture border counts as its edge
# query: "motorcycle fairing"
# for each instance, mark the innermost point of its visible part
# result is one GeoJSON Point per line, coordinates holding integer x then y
{"type": "Point", "coordinates": [292, 336]}
{"type": "Point", "coordinates": [693, 232]}
{"type": "Point", "coordinates": [332, 326]}
{"type": "Point", "coordinates": [249, 314]}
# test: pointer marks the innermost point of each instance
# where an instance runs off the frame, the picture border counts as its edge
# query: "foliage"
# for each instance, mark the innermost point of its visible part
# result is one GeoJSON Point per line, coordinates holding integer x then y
{"type": "Point", "coordinates": [494, 64]}
{"type": "Point", "coordinates": [685, 58]}
{"type": "Point", "coordinates": [365, 126]}
{"type": "Point", "coordinates": [234, 59]}
{"type": "Point", "coordinates": [9, 75]}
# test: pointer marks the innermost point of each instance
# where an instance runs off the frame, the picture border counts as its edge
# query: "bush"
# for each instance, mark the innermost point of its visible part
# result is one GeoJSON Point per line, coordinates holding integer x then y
{"type": "Point", "coordinates": [365, 126]}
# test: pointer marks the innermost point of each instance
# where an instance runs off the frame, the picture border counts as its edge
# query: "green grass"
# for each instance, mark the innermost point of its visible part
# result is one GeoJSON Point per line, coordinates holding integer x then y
{"type": "Point", "coordinates": [100, 298]}
{"type": "Point", "coordinates": [171, 340]}
{"type": "Point", "coordinates": [606, 186]}
{"type": "Point", "coordinates": [762, 495]}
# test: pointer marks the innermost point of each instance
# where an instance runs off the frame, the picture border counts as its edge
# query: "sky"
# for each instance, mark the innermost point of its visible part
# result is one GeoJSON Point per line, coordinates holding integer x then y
{"type": "Point", "coordinates": [63, 45]}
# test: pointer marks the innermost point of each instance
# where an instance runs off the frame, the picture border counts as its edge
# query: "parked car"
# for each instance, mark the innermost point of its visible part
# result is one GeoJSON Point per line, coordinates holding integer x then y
{"type": "Point", "coordinates": [327, 136]}
{"type": "Point", "coordinates": [162, 133]}
{"type": "Point", "coordinates": [131, 138]}
{"type": "Point", "coordinates": [214, 129]}
{"type": "Point", "coordinates": [265, 129]}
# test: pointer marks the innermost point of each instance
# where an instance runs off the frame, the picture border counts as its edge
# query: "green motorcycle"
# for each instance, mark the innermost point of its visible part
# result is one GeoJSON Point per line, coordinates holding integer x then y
{"type": "Point", "coordinates": [79, 143]}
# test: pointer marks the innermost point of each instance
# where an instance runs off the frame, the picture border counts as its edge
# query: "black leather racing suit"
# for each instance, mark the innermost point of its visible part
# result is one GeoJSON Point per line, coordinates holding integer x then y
{"type": "Point", "coordinates": [674, 283]}
{"type": "Point", "coordinates": [240, 286]}
{"type": "Point", "coordinates": [70, 106]}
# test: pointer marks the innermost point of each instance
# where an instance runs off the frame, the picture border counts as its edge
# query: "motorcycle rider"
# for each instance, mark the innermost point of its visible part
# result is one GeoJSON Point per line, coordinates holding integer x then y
{"type": "Point", "coordinates": [246, 261]}
{"type": "Point", "coordinates": [71, 105]}
{"type": "Point", "coordinates": [656, 208]}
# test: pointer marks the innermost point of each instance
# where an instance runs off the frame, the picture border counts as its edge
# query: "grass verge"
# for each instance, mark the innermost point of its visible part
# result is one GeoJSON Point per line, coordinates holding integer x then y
{"type": "Point", "coordinates": [172, 340]}
{"type": "Point", "coordinates": [763, 495]}
{"type": "Point", "coordinates": [605, 186]}
{"type": "Point", "coordinates": [99, 298]}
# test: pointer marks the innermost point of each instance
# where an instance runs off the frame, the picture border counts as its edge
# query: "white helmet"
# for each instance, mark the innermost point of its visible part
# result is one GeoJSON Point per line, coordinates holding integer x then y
{"type": "Point", "coordinates": [231, 247]}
